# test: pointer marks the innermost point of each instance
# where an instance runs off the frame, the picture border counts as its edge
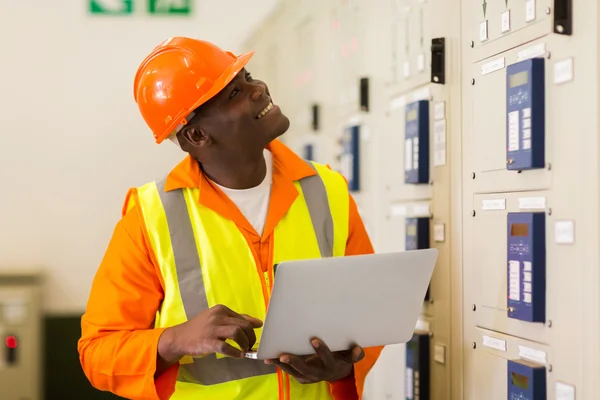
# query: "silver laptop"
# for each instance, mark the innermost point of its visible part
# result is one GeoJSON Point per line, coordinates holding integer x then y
{"type": "Point", "coordinates": [368, 300]}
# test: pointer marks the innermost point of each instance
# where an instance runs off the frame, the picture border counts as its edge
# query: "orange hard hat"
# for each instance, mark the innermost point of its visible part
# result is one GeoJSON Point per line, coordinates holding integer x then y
{"type": "Point", "coordinates": [177, 77]}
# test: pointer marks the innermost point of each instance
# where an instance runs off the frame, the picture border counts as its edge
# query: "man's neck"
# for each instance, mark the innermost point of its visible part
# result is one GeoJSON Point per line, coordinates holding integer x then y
{"type": "Point", "coordinates": [236, 173]}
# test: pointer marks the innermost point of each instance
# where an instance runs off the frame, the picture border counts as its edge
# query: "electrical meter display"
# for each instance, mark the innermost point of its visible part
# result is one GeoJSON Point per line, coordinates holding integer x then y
{"type": "Point", "coordinates": [417, 237]}
{"type": "Point", "coordinates": [416, 143]}
{"type": "Point", "coordinates": [526, 239]}
{"type": "Point", "coordinates": [525, 119]}
{"type": "Point", "coordinates": [350, 157]}
{"type": "Point", "coordinates": [417, 367]}
{"type": "Point", "coordinates": [526, 380]}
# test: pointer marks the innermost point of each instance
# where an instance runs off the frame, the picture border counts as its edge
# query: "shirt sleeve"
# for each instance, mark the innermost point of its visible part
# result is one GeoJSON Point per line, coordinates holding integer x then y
{"type": "Point", "coordinates": [118, 346]}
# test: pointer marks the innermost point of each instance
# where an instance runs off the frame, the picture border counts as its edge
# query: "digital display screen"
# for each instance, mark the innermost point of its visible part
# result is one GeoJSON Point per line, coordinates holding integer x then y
{"type": "Point", "coordinates": [411, 115]}
{"type": "Point", "coordinates": [518, 79]}
{"type": "Point", "coordinates": [519, 230]}
{"type": "Point", "coordinates": [411, 230]}
{"type": "Point", "coordinates": [520, 381]}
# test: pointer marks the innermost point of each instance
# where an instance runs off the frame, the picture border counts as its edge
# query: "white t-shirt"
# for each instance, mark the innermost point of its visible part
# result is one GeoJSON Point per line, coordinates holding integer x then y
{"type": "Point", "coordinates": [254, 202]}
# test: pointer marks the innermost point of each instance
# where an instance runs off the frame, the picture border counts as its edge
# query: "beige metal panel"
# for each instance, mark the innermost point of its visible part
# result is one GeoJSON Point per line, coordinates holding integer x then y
{"type": "Point", "coordinates": [486, 355]}
{"type": "Point", "coordinates": [20, 316]}
{"type": "Point", "coordinates": [489, 123]}
{"type": "Point", "coordinates": [489, 269]}
{"type": "Point", "coordinates": [496, 41]}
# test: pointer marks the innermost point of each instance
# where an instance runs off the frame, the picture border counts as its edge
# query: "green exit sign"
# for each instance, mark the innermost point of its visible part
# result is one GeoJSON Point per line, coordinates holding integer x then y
{"type": "Point", "coordinates": [112, 7]}
{"type": "Point", "coordinates": [166, 7]}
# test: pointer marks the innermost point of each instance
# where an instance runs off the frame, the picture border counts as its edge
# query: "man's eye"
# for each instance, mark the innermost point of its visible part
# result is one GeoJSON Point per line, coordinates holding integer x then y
{"type": "Point", "coordinates": [233, 93]}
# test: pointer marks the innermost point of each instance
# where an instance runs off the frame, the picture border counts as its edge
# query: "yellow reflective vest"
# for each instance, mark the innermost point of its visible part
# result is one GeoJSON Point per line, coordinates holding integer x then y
{"type": "Point", "coordinates": [205, 260]}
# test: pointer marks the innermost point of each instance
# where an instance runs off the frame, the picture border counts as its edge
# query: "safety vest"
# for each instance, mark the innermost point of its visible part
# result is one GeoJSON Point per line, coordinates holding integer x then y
{"type": "Point", "coordinates": [205, 260]}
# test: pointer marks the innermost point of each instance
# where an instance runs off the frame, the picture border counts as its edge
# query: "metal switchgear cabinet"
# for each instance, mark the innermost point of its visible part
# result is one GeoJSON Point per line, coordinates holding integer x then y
{"type": "Point", "coordinates": [21, 357]}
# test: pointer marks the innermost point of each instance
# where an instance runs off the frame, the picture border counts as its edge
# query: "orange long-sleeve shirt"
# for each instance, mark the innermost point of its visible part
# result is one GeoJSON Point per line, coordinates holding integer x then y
{"type": "Point", "coordinates": [118, 347]}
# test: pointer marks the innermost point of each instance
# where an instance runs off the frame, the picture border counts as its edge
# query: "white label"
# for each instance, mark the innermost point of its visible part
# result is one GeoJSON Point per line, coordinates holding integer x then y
{"type": "Point", "coordinates": [494, 343]}
{"type": "Point", "coordinates": [408, 151]}
{"type": "Point", "coordinates": [346, 162]}
{"type": "Point", "coordinates": [534, 355]}
{"type": "Point", "coordinates": [409, 383]}
{"type": "Point", "coordinates": [529, 10]}
{"type": "Point", "coordinates": [492, 66]}
{"type": "Point", "coordinates": [14, 313]}
{"type": "Point", "coordinates": [400, 101]}
{"type": "Point", "coordinates": [416, 153]}
{"type": "Point", "coordinates": [564, 391]}
{"type": "Point", "coordinates": [365, 133]}
{"type": "Point", "coordinates": [421, 210]}
{"type": "Point", "coordinates": [398, 211]}
{"type": "Point", "coordinates": [406, 69]}
{"type": "Point", "coordinates": [354, 120]}
{"type": "Point", "coordinates": [439, 143]}
{"type": "Point", "coordinates": [421, 63]}
{"type": "Point", "coordinates": [531, 52]}
{"type": "Point", "coordinates": [514, 285]}
{"type": "Point", "coordinates": [483, 31]}
{"type": "Point", "coordinates": [397, 102]}
{"type": "Point", "coordinates": [563, 71]}
{"type": "Point", "coordinates": [439, 110]}
{"type": "Point", "coordinates": [439, 233]}
{"type": "Point", "coordinates": [532, 203]}
{"type": "Point", "coordinates": [493, 204]}
{"type": "Point", "coordinates": [439, 354]}
{"type": "Point", "coordinates": [564, 232]}
{"type": "Point", "coordinates": [505, 27]}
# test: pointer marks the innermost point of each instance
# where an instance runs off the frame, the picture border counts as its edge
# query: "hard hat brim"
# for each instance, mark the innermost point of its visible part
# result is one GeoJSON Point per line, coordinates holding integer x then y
{"type": "Point", "coordinates": [220, 84]}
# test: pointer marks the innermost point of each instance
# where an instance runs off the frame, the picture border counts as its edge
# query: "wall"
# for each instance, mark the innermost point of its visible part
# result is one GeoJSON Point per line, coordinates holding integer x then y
{"type": "Point", "coordinates": [72, 139]}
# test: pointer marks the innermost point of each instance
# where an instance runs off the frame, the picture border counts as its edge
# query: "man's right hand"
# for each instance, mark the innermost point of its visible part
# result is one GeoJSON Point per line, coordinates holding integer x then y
{"type": "Point", "coordinates": [206, 334]}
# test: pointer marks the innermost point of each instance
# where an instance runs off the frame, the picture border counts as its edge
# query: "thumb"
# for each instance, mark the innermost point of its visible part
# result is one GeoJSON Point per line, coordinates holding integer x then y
{"type": "Point", "coordinates": [256, 323]}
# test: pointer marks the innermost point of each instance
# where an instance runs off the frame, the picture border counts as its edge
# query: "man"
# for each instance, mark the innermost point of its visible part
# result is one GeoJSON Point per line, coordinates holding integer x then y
{"type": "Point", "coordinates": [185, 282]}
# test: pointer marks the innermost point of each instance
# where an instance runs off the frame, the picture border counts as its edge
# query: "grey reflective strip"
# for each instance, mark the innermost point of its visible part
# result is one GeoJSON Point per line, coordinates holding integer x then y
{"type": "Point", "coordinates": [315, 195]}
{"type": "Point", "coordinates": [206, 370]}
{"type": "Point", "coordinates": [187, 263]}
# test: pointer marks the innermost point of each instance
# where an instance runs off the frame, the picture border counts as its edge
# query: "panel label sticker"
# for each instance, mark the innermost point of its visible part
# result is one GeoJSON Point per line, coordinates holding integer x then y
{"type": "Point", "coordinates": [564, 391]}
{"type": "Point", "coordinates": [534, 355]}
{"type": "Point", "coordinates": [563, 71]}
{"type": "Point", "coordinates": [538, 50]}
{"type": "Point", "coordinates": [439, 110]}
{"type": "Point", "coordinates": [494, 343]}
{"type": "Point", "coordinates": [493, 66]}
{"type": "Point", "coordinates": [493, 204]}
{"type": "Point", "coordinates": [439, 233]}
{"type": "Point", "coordinates": [439, 143]}
{"type": "Point", "coordinates": [564, 232]}
{"type": "Point", "coordinates": [532, 203]}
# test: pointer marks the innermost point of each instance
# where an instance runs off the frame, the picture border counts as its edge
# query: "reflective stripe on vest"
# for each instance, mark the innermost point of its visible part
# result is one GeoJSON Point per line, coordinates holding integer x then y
{"type": "Point", "coordinates": [206, 260]}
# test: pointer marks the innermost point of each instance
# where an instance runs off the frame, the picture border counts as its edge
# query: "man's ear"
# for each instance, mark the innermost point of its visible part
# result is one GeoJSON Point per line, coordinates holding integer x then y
{"type": "Point", "coordinates": [194, 137]}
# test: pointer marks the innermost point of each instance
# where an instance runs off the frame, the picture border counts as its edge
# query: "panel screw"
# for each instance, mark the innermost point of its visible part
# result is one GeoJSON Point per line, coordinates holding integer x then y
{"type": "Point", "coordinates": [473, 175]}
{"type": "Point", "coordinates": [549, 211]}
{"type": "Point", "coordinates": [549, 323]}
{"type": "Point", "coordinates": [549, 166]}
{"type": "Point", "coordinates": [548, 11]}
{"type": "Point", "coordinates": [473, 213]}
{"type": "Point", "coordinates": [474, 345]}
{"type": "Point", "coordinates": [430, 334]}
{"type": "Point", "coordinates": [549, 367]}
{"type": "Point", "coordinates": [472, 44]}
{"type": "Point", "coordinates": [549, 55]}
{"type": "Point", "coordinates": [473, 81]}
{"type": "Point", "coordinates": [474, 307]}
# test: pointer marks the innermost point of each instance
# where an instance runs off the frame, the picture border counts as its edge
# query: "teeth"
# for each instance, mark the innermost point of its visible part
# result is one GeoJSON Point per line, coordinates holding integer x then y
{"type": "Point", "coordinates": [265, 111]}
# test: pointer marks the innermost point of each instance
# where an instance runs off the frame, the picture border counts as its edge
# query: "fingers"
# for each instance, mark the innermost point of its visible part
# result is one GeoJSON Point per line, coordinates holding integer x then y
{"type": "Point", "coordinates": [226, 349]}
{"type": "Point", "coordinates": [351, 356]}
{"type": "Point", "coordinates": [324, 353]}
{"type": "Point", "coordinates": [291, 371]}
{"type": "Point", "coordinates": [302, 367]}
{"type": "Point", "coordinates": [255, 322]}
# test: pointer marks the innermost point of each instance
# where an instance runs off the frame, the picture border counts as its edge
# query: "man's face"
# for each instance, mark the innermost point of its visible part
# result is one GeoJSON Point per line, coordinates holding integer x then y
{"type": "Point", "coordinates": [241, 119]}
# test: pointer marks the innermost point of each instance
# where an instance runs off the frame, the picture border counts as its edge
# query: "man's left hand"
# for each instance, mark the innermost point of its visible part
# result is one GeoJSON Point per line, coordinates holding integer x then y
{"type": "Point", "coordinates": [323, 366]}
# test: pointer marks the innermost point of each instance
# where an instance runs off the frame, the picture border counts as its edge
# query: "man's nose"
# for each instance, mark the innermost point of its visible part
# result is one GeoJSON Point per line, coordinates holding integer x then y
{"type": "Point", "coordinates": [257, 93]}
